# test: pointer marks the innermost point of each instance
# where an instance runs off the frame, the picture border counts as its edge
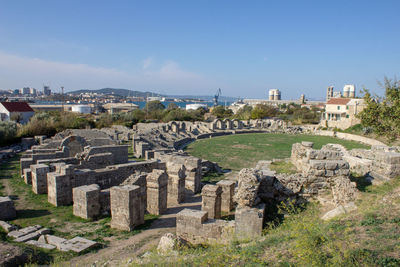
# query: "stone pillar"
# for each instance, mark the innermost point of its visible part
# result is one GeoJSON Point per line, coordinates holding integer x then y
{"type": "Point", "coordinates": [135, 140]}
{"type": "Point", "coordinates": [59, 186]}
{"type": "Point", "coordinates": [193, 174]}
{"type": "Point", "coordinates": [27, 176]}
{"type": "Point", "coordinates": [141, 148]}
{"type": "Point", "coordinates": [211, 200]}
{"type": "Point", "coordinates": [157, 192]}
{"type": "Point", "coordinates": [7, 210]}
{"type": "Point", "coordinates": [125, 207]}
{"type": "Point", "coordinates": [86, 201]}
{"type": "Point", "coordinates": [39, 178]}
{"type": "Point", "coordinates": [176, 182]}
{"type": "Point", "coordinates": [249, 221]}
{"type": "Point", "coordinates": [25, 163]}
{"type": "Point", "coordinates": [228, 190]}
{"type": "Point", "coordinates": [140, 180]}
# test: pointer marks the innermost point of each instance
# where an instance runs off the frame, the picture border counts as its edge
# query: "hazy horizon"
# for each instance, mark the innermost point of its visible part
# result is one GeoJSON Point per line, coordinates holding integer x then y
{"type": "Point", "coordinates": [194, 48]}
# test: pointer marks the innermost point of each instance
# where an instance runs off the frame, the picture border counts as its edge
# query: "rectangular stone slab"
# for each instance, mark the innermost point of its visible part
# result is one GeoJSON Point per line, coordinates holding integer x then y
{"type": "Point", "coordinates": [40, 245]}
{"type": "Point", "coordinates": [79, 244]}
{"type": "Point", "coordinates": [27, 237]}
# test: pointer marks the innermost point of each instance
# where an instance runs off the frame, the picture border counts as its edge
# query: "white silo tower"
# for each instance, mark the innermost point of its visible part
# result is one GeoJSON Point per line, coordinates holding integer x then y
{"type": "Point", "coordinates": [271, 94]}
{"type": "Point", "coordinates": [277, 95]}
{"type": "Point", "coordinates": [352, 91]}
{"type": "Point", "coordinates": [346, 90]}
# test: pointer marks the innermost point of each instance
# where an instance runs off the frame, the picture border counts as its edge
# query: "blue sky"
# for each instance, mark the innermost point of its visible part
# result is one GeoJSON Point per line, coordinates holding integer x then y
{"type": "Point", "coordinates": [195, 47]}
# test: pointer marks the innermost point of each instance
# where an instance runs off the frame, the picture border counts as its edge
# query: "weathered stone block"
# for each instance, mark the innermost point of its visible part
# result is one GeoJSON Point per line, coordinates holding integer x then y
{"type": "Point", "coordinates": [7, 210]}
{"type": "Point", "coordinates": [7, 227]}
{"type": "Point", "coordinates": [176, 182]}
{"type": "Point", "coordinates": [190, 221]}
{"type": "Point", "coordinates": [228, 191]}
{"type": "Point", "coordinates": [248, 185]}
{"type": "Point", "coordinates": [59, 189]}
{"type": "Point", "coordinates": [27, 237]}
{"type": "Point", "coordinates": [25, 163]}
{"type": "Point", "coordinates": [249, 221]}
{"type": "Point", "coordinates": [27, 176]}
{"type": "Point", "coordinates": [56, 241]}
{"type": "Point", "coordinates": [39, 178]}
{"type": "Point", "coordinates": [126, 210]}
{"type": "Point", "coordinates": [157, 192]}
{"type": "Point", "coordinates": [79, 244]}
{"type": "Point", "coordinates": [307, 144]}
{"type": "Point", "coordinates": [86, 201]}
{"type": "Point", "coordinates": [211, 200]}
{"type": "Point", "coordinates": [41, 245]}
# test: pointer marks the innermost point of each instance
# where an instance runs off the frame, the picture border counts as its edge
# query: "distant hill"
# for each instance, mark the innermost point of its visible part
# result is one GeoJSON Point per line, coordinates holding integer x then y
{"type": "Point", "coordinates": [115, 91]}
{"type": "Point", "coordinates": [127, 92]}
{"type": "Point", "coordinates": [205, 97]}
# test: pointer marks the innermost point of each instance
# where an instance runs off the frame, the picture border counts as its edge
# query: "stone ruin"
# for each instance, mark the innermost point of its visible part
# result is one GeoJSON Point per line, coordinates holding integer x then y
{"type": "Point", "coordinates": [320, 173]}
{"type": "Point", "coordinates": [91, 170]}
{"type": "Point", "coordinates": [380, 162]}
{"type": "Point", "coordinates": [7, 209]}
{"type": "Point", "coordinates": [93, 173]}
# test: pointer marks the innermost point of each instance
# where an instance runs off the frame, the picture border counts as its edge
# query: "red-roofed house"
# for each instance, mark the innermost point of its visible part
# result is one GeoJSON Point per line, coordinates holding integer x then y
{"type": "Point", "coordinates": [341, 112]}
{"type": "Point", "coordinates": [16, 111]}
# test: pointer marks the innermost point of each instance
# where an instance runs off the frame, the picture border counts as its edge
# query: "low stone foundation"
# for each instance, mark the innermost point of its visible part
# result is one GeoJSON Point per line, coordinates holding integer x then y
{"type": "Point", "coordinates": [194, 226]}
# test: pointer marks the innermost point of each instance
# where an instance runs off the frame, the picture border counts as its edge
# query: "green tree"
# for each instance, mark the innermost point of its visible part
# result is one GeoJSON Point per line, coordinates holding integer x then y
{"type": "Point", "coordinates": [244, 113]}
{"type": "Point", "coordinates": [154, 106]}
{"type": "Point", "coordinates": [383, 115]}
{"type": "Point", "coordinates": [172, 106]}
{"type": "Point", "coordinates": [261, 111]}
{"type": "Point", "coordinates": [221, 112]}
{"type": "Point", "coordinates": [8, 132]}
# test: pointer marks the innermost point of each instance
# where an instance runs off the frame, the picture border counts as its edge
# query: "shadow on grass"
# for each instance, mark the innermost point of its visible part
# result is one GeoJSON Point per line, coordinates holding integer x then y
{"type": "Point", "coordinates": [362, 182]}
{"type": "Point", "coordinates": [29, 213]}
{"type": "Point", "coordinates": [14, 197]}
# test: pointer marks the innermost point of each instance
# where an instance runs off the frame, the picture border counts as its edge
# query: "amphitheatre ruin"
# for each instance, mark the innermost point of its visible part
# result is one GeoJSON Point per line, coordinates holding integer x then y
{"type": "Point", "coordinates": [93, 172]}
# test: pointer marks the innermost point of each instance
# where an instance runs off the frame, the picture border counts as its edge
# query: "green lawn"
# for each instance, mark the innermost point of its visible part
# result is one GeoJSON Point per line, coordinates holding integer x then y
{"type": "Point", "coordinates": [245, 150]}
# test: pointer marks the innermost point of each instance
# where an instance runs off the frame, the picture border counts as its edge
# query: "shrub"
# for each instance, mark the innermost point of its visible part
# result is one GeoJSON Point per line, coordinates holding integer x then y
{"type": "Point", "coordinates": [8, 132]}
{"type": "Point", "coordinates": [261, 111]}
{"type": "Point", "coordinates": [221, 112]}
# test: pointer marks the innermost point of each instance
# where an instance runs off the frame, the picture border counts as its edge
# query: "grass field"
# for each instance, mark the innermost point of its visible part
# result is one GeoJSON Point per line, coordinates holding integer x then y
{"type": "Point", "coordinates": [244, 150]}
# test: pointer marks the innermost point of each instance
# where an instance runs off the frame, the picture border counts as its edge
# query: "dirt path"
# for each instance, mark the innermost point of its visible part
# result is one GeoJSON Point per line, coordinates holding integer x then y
{"type": "Point", "coordinates": [119, 252]}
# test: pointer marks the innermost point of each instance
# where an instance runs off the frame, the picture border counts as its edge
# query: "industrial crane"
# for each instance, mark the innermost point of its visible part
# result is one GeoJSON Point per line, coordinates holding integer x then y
{"type": "Point", "coordinates": [216, 96]}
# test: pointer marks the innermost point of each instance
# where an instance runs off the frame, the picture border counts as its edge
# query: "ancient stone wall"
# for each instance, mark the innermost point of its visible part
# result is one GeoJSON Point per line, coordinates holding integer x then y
{"type": "Point", "coordinates": [60, 183]}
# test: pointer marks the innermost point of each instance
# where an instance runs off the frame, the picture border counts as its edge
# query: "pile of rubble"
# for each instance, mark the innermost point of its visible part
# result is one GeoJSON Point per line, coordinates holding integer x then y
{"type": "Point", "coordinates": [40, 237]}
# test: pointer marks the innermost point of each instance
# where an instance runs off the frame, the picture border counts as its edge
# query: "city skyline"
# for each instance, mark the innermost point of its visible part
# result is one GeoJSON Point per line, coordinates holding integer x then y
{"type": "Point", "coordinates": [194, 48]}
